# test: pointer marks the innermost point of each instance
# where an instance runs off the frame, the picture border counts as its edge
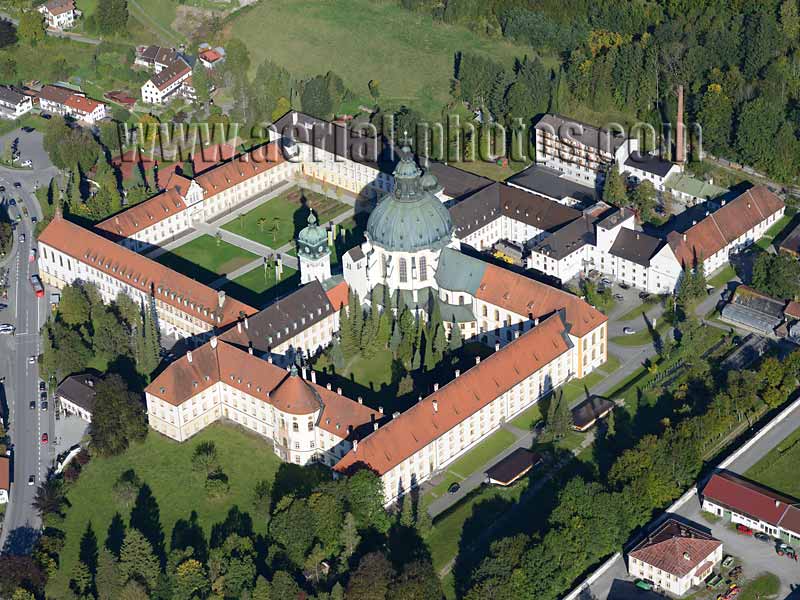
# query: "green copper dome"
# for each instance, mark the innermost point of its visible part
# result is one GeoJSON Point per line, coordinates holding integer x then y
{"type": "Point", "coordinates": [410, 218]}
{"type": "Point", "coordinates": [312, 241]}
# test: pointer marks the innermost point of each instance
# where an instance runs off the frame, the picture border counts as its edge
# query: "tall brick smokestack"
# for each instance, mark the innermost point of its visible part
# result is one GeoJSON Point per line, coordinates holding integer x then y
{"type": "Point", "coordinates": [680, 149]}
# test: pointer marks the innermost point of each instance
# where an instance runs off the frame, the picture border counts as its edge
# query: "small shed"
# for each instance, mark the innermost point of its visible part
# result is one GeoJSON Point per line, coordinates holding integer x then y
{"type": "Point", "coordinates": [512, 467]}
{"type": "Point", "coordinates": [587, 413]}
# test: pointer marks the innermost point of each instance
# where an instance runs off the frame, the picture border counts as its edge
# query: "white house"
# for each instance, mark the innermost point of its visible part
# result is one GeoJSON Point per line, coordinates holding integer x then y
{"type": "Point", "coordinates": [155, 58]}
{"type": "Point", "coordinates": [69, 103]}
{"type": "Point", "coordinates": [580, 151]}
{"type": "Point", "coordinates": [172, 81]}
{"type": "Point", "coordinates": [60, 14]}
{"type": "Point", "coordinates": [13, 103]}
{"type": "Point", "coordinates": [76, 395]}
{"type": "Point", "coordinates": [647, 167]}
{"type": "Point", "coordinates": [675, 558]}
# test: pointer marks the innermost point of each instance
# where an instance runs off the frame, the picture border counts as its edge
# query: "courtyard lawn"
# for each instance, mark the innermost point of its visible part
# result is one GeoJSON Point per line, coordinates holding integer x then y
{"type": "Point", "coordinates": [165, 466]}
{"type": "Point", "coordinates": [612, 364]}
{"type": "Point", "coordinates": [490, 170]}
{"type": "Point", "coordinates": [341, 37]}
{"type": "Point", "coordinates": [206, 258]}
{"type": "Point", "coordinates": [642, 337]}
{"type": "Point", "coordinates": [778, 469]}
{"type": "Point", "coordinates": [645, 307]}
{"type": "Point", "coordinates": [527, 419]}
{"type": "Point", "coordinates": [258, 288]}
{"type": "Point", "coordinates": [724, 276]}
{"type": "Point", "coordinates": [283, 217]}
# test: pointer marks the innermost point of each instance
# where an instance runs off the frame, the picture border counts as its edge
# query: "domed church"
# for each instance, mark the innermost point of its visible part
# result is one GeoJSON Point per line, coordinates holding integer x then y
{"type": "Point", "coordinates": [406, 233]}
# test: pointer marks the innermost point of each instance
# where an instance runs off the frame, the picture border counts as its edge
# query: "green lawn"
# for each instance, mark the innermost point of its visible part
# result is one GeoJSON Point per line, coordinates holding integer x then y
{"type": "Point", "coordinates": [778, 469]}
{"type": "Point", "coordinates": [206, 258]}
{"type": "Point", "coordinates": [612, 364]}
{"type": "Point", "coordinates": [527, 419]}
{"type": "Point", "coordinates": [642, 337]}
{"type": "Point", "coordinates": [764, 587]}
{"type": "Point", "coordinates": [165, 466]}
{"type": "Point", "coordinates": [284, 217]}
{"type": "Point", "coordinates": [490, 170]}
{"type": "Point", "coordinates": [258, 288]}
{"type": "Point", "coordinates": [724, 276]}
{"type": "Point", "coordinates": [359, 39]}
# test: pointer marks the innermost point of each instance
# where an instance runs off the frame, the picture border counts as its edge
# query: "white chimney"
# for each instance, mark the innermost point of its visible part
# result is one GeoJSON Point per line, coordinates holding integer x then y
{"type": "Point", "coordinates": [435, 387]}
{"type": "Point", "coordinates": [189, 356]}
{"type": "Point", "coordinates": [684, 237]}
{"type": "Point", "coordinates": [516, 334]}
{"type": "Point", "coordinates": [339, 391]}
{"type": "Point", "coordinates": [269, 359]}
{"type": "Point", "coordinates": [497, 346]}
{"type": "Point", "coordinates": [239, 326]}
{"type": "Point", "coordinates": [221, 298]}
{"type": "Point", "coordinates": [303, 369]}
{"type": "Point", "coordinates": [477, 360]}
{"type": "Point", "coordinates": [355, 446]}
{"type": "Point", "coordinates": [458, 372]}
{"type": "Point", "coordinates": [360, 400]}
{"type": "Point", "coordinates": [436, 406]}
{"type": "Point", "coordinates": [214, 341]}
{"type": "Point", "coordinates": [313, 377]}
{"type": "Point", "coordinates": [380, 409]}
{"type": "Point", "coordinates": [246, 325]}
{"type": "Point", "coordinates": [250, 350]}
{"type": "Point", "coordinates": [329, 386]}
{"type": "Point", "coordinates": [375, 426]}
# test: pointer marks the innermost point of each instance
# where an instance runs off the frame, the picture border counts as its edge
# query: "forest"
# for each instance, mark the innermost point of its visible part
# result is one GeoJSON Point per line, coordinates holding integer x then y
{"type": "Point", "coordinates": [738, 60]}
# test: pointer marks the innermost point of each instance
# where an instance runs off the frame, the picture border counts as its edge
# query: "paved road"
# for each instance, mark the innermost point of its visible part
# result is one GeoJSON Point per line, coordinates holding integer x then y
{"type": "Point", "coordinates": [29, 456]}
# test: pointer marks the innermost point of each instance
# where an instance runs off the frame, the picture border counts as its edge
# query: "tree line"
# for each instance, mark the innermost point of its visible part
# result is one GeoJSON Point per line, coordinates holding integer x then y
{"type": "Point", "coordinates": [325, 540]}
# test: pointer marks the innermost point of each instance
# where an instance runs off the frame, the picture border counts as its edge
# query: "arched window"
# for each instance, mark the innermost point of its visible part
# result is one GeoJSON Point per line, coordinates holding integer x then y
{"type": "Point", "coordinates": [311, 426]}
{"type": "Point", "coordinates": [403, 271]}
{"type": "Point", "coordinates": [295, 427]}
{"type": "Point", "coordinates": [423, 268]}
{"type": "Point", "coordinates": [485, 311]}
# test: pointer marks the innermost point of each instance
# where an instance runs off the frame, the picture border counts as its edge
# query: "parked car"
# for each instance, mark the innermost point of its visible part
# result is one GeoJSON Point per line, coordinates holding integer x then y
{"type": "Point", "coordinates": [42, 386]}
{"type": "Point", "coordinates": [43, 405]}
{"type": "Point", "coordinates": [3, 306]}
{"type": "Point", "coordinates": [45, 438]}
{"type": "Point", "coordinates": [21, 238]}
{"type": "Point", "coordinates": [644, 584]}
{"type": "Point", "coordinates": [619, 297]}
{"type": "Point", "coordinates": [454, 487]}
{"type": "Point", "coordinates": [643, 295]}
{"type": "Point", "coordinates": [26, 163]}
{"type": "Point", "coordinates": [762, 537]}
{"type": "Point", "coordinates": [728, 561]}
{"type": "Point", "coordinates": [31, 360]}
{"type": "Point", "coordinates": [628, 331]}
{"type": "Point", "coordinates": [27, 129]}
{"type": "Point", "coordinates": [6, 329]}
{"type": "Point", "coordinates": [31, 480]}
{"type": "Point", "coordinates": [11, 201]}
{"type": "Point", "coordinates": [606, 281]}
{"type": "Point", "coordinates": [32, 255]}
{"type": "Point", "coordinates": [32, 405]}
{"type": "Point", "coordinates": [624, 286]}
{"type": "Point", "coordinates": [46, 116]}
{"type": "Point", "coordinates": [17, 184]}
{"type": "Point", "coordinates": [744, 529]}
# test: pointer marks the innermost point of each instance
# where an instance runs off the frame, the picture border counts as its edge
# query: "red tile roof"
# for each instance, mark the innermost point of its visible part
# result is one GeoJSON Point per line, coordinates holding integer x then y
{"type": "Point", "coordinates": [164, 205]}
{"type": "Point", "coordinates": [437, 414]}
{"type": "Point", "coordinates": [183, 379]}
{"type": "Point", "coordinates": [55, 93]}
{"type": "Point", "coordinates": [82, 104]}
{"type": "Point", "coordinates": [5, 473]}
{"type": "Point", "coordinates": [210, 156]}
{"type": "Point", "coordinates": [172, 73]}
{"type": "Point", "coordinates": [338, 295]}
{"type": "Point", "coordinates": [525, 296]}
{"type": "Point", "coordinates": [210, 55]}
{"type": "Point", "coordinates": [746, 497]}
{"type": "Point", "coordinates": [146, 275]}
{"type": "Point", "coordinates": [724, 226]}
{"type": "Point", "coordinates": [676, 548]}
{"type": "Point", "coordinates": [57, 7]}
{"type": "Point", "coordinates": [792, 309]}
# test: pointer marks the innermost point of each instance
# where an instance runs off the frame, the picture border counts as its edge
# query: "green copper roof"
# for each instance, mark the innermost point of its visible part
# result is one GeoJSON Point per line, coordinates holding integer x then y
{"type": "Point", "coordinates": [410, 218]}
{"type": "Point", "coordinates": [692, 186]}
{"type": "Point", "coordinates": [312, 241]}
{"type": "Point", "coordinates": [458, 272]}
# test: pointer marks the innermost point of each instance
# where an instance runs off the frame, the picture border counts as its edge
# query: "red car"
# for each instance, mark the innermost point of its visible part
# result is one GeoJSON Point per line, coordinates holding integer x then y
{"type": "Point", "coordinates": [44, 438]}
{"type": "Point", "coordinates": [744, 529]}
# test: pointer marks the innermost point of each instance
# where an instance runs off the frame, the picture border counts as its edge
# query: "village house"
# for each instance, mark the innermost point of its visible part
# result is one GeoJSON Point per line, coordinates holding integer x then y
{"type": "Point", "coordinates": [69, 103]}
{"type": "Point", "coordinates": [76, 395]}
{"type": "Point", "coordinates": [60, 14]}
{"type": "Point", "coordinates": [675, 558]}
{"type": "Point", "coordinates": [174, 80]}
{"type": "Point", "coordinates": [13, 103]}
{"type": "Point", "coordinates": [155, 58]}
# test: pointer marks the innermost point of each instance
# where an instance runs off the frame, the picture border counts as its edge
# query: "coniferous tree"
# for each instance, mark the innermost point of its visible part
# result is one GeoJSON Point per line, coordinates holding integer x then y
{"type": "Point", "coordinates": [614, 188]}
{"type": "Point", "coordinates": [137, 559]}
{"type": "Point", "coordinates": [396, 338]}
{"type": "Point", "coordinates": [456, 340]}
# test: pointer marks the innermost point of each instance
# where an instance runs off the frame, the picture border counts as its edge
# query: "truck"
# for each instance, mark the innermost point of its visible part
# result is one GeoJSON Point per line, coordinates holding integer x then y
{"type": "Point", "coordinates": [509, 252]}
{"type": "Point", "coordinates": [37, 286]}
